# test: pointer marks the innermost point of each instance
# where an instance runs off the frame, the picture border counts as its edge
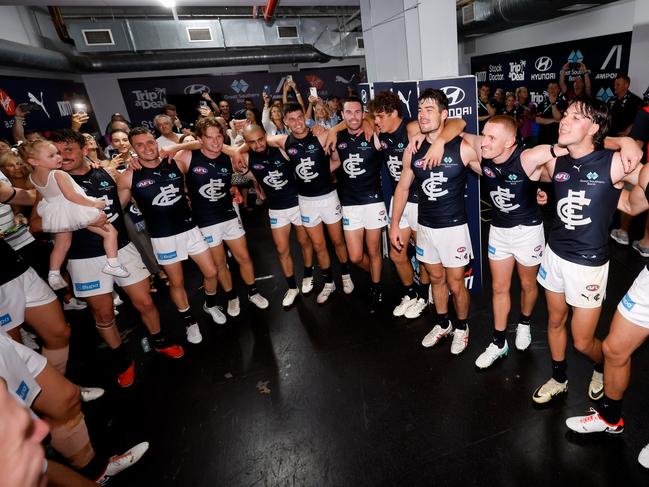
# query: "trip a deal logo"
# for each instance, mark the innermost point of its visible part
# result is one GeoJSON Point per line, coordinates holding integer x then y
{"type": "Point", "coordinates": [153, 99]}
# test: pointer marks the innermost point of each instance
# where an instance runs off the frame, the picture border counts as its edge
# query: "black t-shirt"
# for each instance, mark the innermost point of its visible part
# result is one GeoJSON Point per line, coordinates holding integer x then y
{"type": "Point", "coordinates": [623, 112]}
{"type": "Point", "coordinates": [549, 134]}
{"type": "Point", "coordinates": [640, 129]}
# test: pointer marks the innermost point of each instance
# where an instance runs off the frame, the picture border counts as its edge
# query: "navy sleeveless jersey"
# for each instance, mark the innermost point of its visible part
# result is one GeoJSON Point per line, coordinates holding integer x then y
{"type": "Point", "coordinates": [586, 203]}
{"type": "Point", "coordinates": [311, 165]}
{"type": "Point", "coordinates": [273, 172]}
{"type": "Point", "coordinates": [512, 192]}
{"type": "Point", "coordinates": [441, 189]}
{"type": "Point", "coordinates": [98, 184]}
{"type": "Point", "coordinates": [12, 267]}
{"type": "Point", "coordinates": [394, 145]}
{"type": "Point", "coordinates": [361, 170]}
{"type": "Point", "coordinates": [208, 185]}
{"type": "Point", "coordinates": [160, 196]}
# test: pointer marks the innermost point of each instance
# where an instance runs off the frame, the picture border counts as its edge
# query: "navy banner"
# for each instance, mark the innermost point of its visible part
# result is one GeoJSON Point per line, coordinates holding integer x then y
{"type": "Point", "coordinates": [462, 96]}
{"type": "Point", "coordinates": [145, 97]}
{"type": "Point", "coordinates": [604, 58]}
{"type": "Point", "coordinates": [49, 101]}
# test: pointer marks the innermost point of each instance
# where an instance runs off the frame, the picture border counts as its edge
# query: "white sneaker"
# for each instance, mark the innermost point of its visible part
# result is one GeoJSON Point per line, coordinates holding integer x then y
{"type": "Point", "coordinates": [119, 463]}
{"type": "Point", "coordinates": [117, 301]}
{"type": "Point", "coordinates": [258, 300]}
{"type": "Point", "coordinates": [216, 313]}
{"type": "Point", "coordinates": [416, 309]}
{"type": "Point", "coordinates": [115, 311]}
{"type": "Point", "coordinates": [549, 390]}
{"type": "Point", "coordinates": [403, 306]}
{"type": "Point", "coordinates": [117, 271]}
{"type": "Point", "coordinates": [460, 341]}
{"type": "Point", "coordinates": [643, 457]}
{"type": "Point", "coordinates": [328, 288]}
{"type": "Point", "coordinates": [436, 334]}
{"type": "Point", "coordinates": [289, 297]}
{"type": "Point", "coordinates": [594, 423]}
{"type": "Point", "coordinates": [523, 336]}
{"type": "Point", "coordinates": [348, 284]}
{"type": "Point", "coordinates": [29, 339]}
{"type": "Point", "coordinates": [194, 334]}
{"type": "Point", "coordinates": [91, 393]}
{"type": "Point", "coordinates": [491, 354]}
{"type": "Point", "coordinates": [234, 307]}
{"type": "Point", "coordinates": [596, 386]}
{"type": "Point", "coordinates": [56, 281]}
{"type": "Point", "coordinates": [74, 305]}
{"type": "Point", "coordinates": [307, 285]}
{"type": "Point", "coordinates": [620, 236]}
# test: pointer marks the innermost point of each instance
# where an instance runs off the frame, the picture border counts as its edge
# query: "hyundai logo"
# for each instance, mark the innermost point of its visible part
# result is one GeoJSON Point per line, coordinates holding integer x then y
{"type": "Point", "coordinates": [363, 96]}
{"type": "Point", "coordinates": [454, 94]}
{"type": "Point", "coordinates": [196, 89]}
{"type": "Point", "coordinates": [543, 63]}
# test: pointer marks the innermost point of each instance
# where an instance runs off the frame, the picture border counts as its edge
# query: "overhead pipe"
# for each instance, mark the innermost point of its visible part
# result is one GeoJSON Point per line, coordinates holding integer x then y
{"type": "Point", "coordinates": [269, 10]}
{"type": "Point", "coordinates": [13, 54]}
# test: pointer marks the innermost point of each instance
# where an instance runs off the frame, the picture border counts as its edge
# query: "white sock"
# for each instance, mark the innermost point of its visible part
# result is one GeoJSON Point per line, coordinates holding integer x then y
{"type": "Point", "coordinates": [113, 262]}
{"type": "Point", "coordinates": [55, 272]}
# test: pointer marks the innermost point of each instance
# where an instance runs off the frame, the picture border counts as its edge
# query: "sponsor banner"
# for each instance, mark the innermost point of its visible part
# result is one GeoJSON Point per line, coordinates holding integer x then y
{"type": "Point", "coordinates": [365, 93]}
{"type": "Point", "coordinates": [50, 103]}
{"type": "Point", "coordinates": [463, 100]}
{"type": "Point", "coordinates": [407, 92]}
{"type": "Point", "coordinates": [604, 57]}
{"type": "Point", "coordinates": [145, 97]}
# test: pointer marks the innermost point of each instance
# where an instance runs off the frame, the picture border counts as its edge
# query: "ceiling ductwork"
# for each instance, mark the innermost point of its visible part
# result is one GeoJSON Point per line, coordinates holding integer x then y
{"type": "Point", "coordinates": [17, 55]}
{"type": "Point", "coordinates": [487, 16]}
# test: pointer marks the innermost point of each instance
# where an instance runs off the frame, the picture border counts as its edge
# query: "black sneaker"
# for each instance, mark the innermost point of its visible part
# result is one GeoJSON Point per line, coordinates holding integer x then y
{"type": "Point", "coordinates": [376, 298]}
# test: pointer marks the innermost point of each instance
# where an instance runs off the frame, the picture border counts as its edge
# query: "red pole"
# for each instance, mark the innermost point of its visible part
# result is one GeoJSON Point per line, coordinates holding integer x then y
{"type": "Point", "coordinates": [269, 10]}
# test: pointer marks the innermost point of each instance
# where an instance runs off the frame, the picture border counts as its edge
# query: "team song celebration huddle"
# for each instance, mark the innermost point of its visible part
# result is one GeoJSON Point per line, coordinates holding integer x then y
{"type": "Point", "coordinates": [133, 219]}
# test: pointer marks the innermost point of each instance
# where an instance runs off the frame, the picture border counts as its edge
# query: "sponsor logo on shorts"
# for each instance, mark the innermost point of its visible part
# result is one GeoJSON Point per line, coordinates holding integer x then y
{"type": "Point", "coordinates": [86, 286]}
{"type": "Point", "coordinates": [345, 221]}
{"type": "Point", "coordinates": [144, 183]}
{"type": "Point", "coordinates": [562, 177]}
{"type": "Point", "coordinates": [538, 248]}
{"type": "Point", "coordinates": [207, 238]}
{"type": "Point", "coordinates": [627, 302]}
{"type": "Point", "coordinates": [199, 170]}
{"type": "Point", "coordinates": [461, 249]}
{"type": "Point", "coordinates": [305, 219]}
{"type": "Point", "coordinates": [592, 287]}
{"type": "Point", "coordinates": [420, 251]}
{"type": "Point", "coordinates": [543, 273]}
{"type": "Point", "coordinates": [168, 255]}
{"type": "Point", "coordinates": [382, 213]}
{"type": "Point", "coordinates": [492, 249]}
{"type": "Point", "coordinates": [488, 172]}
{"type": "Point", "coordinates": [5, 319]}
{"type": "Point", "coordinates": [22, 391]}
{"type": "Point", "coordinates": [292, 151]}
{"type": "Point", "coordinates": [273, 221]}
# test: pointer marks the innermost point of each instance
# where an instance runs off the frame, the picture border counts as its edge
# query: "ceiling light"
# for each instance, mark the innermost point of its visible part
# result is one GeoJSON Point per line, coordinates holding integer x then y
{"type": "Point", "coordinates": [168, 3]}
{"type": "Point", "coordinates": [578, 6]}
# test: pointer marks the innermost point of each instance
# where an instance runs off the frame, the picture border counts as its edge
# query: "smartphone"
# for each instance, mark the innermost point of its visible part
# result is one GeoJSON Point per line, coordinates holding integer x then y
{"type": "Point", "coordinates": [267, 89]}
{"type": "Point", "coordinates": [289, 78]}
{"type": "Point", "coordinates": [115, 156]}
{"type": "Point", "coordinates": [80, 108]}
{"type": "Point", "coordinates": [204, 103]}
{"type": "Point", "coordinates": [313, 91]}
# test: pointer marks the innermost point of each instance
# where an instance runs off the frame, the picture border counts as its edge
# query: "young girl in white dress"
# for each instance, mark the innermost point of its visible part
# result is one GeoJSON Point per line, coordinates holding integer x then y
{"type": "Point", "coordinates": [65, 208]}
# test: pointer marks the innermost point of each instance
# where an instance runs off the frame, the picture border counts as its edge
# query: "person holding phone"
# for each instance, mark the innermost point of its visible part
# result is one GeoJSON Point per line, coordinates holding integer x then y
{"type": "Point", "coordinates": [579, 74]}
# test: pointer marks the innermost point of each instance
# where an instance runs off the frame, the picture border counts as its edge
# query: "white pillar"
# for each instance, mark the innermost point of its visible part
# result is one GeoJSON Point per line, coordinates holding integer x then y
{"type": "Point", "coordinates": [409, 39]}
{"type": "Point", "coordinates": [638, 65]}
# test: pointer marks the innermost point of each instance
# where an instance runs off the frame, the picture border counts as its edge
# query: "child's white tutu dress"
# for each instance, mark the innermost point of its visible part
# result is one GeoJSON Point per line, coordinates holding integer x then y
{"type": "Point", "coordinates": [60, 214]}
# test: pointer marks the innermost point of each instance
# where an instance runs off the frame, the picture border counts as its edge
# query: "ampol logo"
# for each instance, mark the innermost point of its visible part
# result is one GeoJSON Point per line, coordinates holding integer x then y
{"type": "Point", "coordinates": [488, 172]}
{"type": "Point", "coordinates": [562, 177]}
{"type": "Point", "coordinates": [200, 170]}
{"type": "Point", "coordinates": [144, 183]}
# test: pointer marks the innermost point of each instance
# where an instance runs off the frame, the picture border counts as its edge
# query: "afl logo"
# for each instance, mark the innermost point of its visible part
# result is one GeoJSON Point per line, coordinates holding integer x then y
{"type": "Point", "coordinates": [592, 287]}
{"type": "Point", "coordinates": [537, 248]}
{"type": "Point", "coordinates": [200, 170]}
{"type": "Point", "coordinates": [196, 89]}
{"type": "Point", "coordinates": [461, 249]}
{"type": "Point", "coordinates": [543, 63]}
{"type": "Point", "coordinates": [419, 163]}
{"type": "Point", "coordinates": [562, 177]}
{"type": "Point", "coordinates": [292, 151]}
{"type": "Point", "coordinates": [454, 94]}
{"type": "Point", "coordinates": [259, 167]}
{"type": "Point", "coordinates": [342, 145]}
{"type": "Point", "coordinates": [488, 172]}
{"type": "Point", "coordinates": [144, 183]}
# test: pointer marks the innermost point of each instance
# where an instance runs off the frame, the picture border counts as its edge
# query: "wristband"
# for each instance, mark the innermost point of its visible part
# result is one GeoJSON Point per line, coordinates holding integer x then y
{"type": "Point", "coordinates": [552, 151]}
{"type": "Point", "coordinates": [10, 197]}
